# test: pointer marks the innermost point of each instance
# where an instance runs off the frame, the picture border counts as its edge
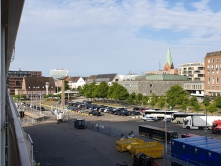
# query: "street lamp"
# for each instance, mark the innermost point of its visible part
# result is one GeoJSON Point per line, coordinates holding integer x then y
{"type": "Point", "coordinates": [36, 87]}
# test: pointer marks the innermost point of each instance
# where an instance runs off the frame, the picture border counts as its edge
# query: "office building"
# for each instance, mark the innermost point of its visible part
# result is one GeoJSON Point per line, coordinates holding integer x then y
{"type": "Point", "coordinates": [15, 79]}
{"type": "Point", "coordinates": [213, 73]}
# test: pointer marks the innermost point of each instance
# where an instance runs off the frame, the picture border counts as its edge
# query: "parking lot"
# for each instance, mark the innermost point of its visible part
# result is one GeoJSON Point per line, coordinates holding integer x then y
{"type": "Point", "coordinates": [62, 143]}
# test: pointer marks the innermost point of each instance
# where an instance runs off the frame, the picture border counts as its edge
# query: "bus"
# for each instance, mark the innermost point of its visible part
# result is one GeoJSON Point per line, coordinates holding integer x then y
{"type": "Point", "coordinates": [156, 133]}
{"type": "Point", "coordinates": [178, 117]}
{"type": "Point", "coordinates": [160, 114]}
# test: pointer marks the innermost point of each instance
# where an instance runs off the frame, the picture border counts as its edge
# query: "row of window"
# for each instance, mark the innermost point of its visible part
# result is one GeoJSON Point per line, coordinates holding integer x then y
{"type": "Point", "coordinates": [213, 60]}
{"type": "Point", "coordinates": [212, 87]}
{"type": "Point", "coordinates": [193, 87]}
{"type": "Point", "coordinates": [213, 80]}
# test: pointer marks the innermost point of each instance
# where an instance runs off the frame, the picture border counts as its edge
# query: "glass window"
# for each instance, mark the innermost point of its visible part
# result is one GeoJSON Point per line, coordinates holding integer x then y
{"type": "Point", "coordinates": [208, 80]}
{"type": "Point", "coordinates": [217, 60]}
{"type": "Point", "coordinates": [217, 80]}
{"type": "Point", "coordinates": [208, 60]}
{"type": "Point", "coordinates": [212, 60]}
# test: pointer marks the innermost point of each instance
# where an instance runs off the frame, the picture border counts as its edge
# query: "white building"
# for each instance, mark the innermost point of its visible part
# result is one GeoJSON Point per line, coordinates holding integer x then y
{"type": "Point", "coordinates": [58, 73]}
{"type": "Point", "coordinates": [195, 71]}
{"type": "Point", "coordinates": [75, 82]}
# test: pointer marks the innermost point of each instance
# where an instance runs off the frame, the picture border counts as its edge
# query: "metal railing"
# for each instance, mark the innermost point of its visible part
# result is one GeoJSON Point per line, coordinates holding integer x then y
{"type": "Point", "coordinates": [17, 153]}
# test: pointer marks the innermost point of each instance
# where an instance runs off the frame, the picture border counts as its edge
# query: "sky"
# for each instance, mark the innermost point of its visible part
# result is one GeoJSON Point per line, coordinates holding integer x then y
{"type": "Point", "coordinates": [89, 37]}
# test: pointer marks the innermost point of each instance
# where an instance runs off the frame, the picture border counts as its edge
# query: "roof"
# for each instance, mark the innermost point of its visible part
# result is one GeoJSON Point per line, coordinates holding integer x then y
{"type": "Point", "coordinates": [169, 57]}
{"type": "Point", "coordinates": [161, 77]}
{"type": "Point", "coordinates": [92, 77]}
{"type": "Point", "coordinates": [105, 77]}
{"type": "Point", "coordinates": [217, 53]}
{"type": "Point", "coordinates": [74, 79]}
{"type": "Point", "coordinates": [29, 83]}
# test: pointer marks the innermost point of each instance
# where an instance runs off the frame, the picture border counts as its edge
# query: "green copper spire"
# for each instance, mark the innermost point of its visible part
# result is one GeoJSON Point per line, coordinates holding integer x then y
{"type": "Point", "coordinates": [169, 57]}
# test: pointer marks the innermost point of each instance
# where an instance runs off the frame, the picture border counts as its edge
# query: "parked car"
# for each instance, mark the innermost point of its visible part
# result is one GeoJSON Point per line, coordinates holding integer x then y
{"type": "Point", "coordinates": [124, 113]}
{"type": "Point", "coordinates": [42, 109]}
{"type": "Point", "coordinates": [94, 113]}
{"type": "Point", "coordinates": [132, 113]}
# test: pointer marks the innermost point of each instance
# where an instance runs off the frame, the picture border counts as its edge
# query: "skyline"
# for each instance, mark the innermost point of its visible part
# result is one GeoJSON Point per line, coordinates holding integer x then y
{"type": "Point", "coordinates": [114, 36]}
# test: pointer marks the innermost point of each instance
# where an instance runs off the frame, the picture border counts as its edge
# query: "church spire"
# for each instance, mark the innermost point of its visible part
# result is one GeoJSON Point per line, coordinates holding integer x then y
{"type": "Point", "coordinates": [169, 63]}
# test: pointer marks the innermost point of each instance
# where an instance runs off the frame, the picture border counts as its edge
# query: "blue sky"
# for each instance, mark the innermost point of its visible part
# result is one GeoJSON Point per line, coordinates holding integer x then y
{"type": "Point", "coordinates": [115, 36]}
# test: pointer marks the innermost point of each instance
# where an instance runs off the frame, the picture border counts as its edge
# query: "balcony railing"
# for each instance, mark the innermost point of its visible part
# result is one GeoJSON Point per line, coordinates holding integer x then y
{"type": "Point", "coordinates": [17, 152]}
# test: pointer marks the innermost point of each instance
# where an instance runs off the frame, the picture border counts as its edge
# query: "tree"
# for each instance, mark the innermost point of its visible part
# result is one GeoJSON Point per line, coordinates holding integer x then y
{"type": "Point", "coordinates": [139, 98]}
{"type": "Point", "coordinates": [161, 102]}
{"type": "Point", "coordinates": [206, 101]}
{"type": "Point", "coordinates": [120, 93]}
{"type": "Point", "coordinates": [66, 86]}
{"type": "Point", "coordinates": [212, 108]}
{"type": "Point", "coordinates": [130, 99]}
{"type": "Point", "coordinates": [217, 101]}
{"type": "Point", "coordinates": [196, 107]}
{"type": "Point", "coordinates": [175, 96]}
{"type": "Point", "coordinates": [81, 90]}
{"type": "Point", "coordinates": [111, 90]}
{"type": "Point", "coordinates": [153, 100]}
{"type": "Point", "coordinates": [101, 90]}
{"type": "Point", "coordinates": [145, 100]}
{"type": "Point", "coordinates": [193, 100]}
{"type": "Point", "coordinates": [90, 90]}
{"type": "Point", "coordinates": [185, 104]}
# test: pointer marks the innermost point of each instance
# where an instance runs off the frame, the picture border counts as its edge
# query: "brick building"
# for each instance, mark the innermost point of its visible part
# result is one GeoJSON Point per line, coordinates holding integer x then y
{"type": "Point", "coordinates": [15, 79]}
{"type": "Point", "coordinates": [213, 73]}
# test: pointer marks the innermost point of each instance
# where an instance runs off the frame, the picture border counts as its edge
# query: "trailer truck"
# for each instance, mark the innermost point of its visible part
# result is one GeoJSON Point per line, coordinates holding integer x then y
{"type": "Point", "coordinates": [216, 127]}
{"type": "Point", "coordinates": [199, 122]}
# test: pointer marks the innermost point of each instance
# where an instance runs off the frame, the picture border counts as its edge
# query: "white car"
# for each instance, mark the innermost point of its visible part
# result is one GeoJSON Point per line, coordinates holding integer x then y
{"type": "Point", "coordinates": [149, 118]}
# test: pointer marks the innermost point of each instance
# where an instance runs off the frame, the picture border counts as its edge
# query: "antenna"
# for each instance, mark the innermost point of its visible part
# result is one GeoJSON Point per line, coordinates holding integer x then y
{"type": "Point", "coordinates": [159, 65]}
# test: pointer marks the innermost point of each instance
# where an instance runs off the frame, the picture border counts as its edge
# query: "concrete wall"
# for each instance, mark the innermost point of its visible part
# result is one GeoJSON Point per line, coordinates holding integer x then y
{"type": "Point", "coordinates": [147, 88]}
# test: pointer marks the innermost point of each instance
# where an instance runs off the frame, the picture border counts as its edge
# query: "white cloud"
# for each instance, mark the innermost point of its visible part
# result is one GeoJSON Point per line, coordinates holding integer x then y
{"type": "Point", "coordinates": [106, 29]}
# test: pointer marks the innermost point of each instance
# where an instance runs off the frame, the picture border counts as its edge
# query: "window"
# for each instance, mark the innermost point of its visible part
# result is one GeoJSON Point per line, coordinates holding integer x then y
{"type": "Point", "coordinates": [150, 91]}
{"type": "Point", "coordinates": [208, 87]}
{"type": "Point", "coordinates": [208, 80]}
{"type": "Point", "coordinates": [151, 85]}
{"type": "Point", "coordinates": [217, 80]}
{"type": "Point", "coordinates": [208, 60]}
{"type": "Point", "coordinates": [213, 81]}
{"type": "Point", "coordinates": [212, 60]}
{"type": "Point", "coordinates": [217, 87]}
{"type": "Point", "coordinates": [217, 60]}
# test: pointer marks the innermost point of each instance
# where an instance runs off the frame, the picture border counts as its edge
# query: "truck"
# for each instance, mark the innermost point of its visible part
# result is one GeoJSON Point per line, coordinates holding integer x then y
{"type": "Point", "coordinates": [199, 122]}
{"type": "Point", "coordinates": [216, 127]}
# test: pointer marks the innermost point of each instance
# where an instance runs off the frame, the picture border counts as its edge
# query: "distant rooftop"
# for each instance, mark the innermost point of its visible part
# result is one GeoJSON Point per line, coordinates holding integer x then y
{"type": "Point", "coordinates": [217, 53]}
{"type": "Point", "coordinates": [161, 77]}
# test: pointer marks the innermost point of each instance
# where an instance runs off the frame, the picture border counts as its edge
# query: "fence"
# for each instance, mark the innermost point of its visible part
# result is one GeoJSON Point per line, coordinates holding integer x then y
{"type": "Point", "coordinates": [29, 146]}
{"type": "Point", "coordinates": [102, 128]}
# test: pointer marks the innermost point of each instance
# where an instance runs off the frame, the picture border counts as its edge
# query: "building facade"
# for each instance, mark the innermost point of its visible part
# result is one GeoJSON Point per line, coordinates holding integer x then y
{"type": "Point", "coordinates": [213, 73]}
{"type": "Point", "coordinates": [153, 84]}
{"type": "Point", "coordinates": [195, 88]}
{"type": "Point", "coordinates": [194, 71]}
{"type": "Point", "coordinates": [75, 82]}
{"type": "Point", "coordinates": [36, 87]}
{"type": "Point", "coordinates": [15, 79]}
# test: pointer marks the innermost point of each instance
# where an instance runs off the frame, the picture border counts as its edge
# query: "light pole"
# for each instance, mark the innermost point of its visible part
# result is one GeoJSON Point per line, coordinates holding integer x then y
{"type": "Point", "coordinates": [165, 132]}
{"type": "Point", "coordinates": [36, 87]}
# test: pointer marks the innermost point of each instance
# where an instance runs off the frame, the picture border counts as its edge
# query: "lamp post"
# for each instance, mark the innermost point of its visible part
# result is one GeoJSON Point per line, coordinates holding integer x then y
{"type": "Point", "coordinates": [36, 87]}
{"type": "Point", "coordinates": [165, 132]}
